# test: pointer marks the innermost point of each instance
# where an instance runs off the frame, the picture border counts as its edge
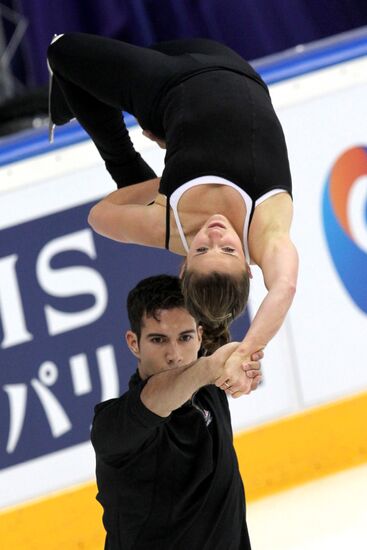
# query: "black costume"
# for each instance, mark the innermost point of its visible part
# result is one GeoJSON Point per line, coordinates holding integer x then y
{"type": "Point", "coordinates": [169, 483]}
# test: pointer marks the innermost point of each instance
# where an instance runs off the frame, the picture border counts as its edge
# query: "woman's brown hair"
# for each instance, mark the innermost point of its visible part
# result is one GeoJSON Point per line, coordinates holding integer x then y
{"type": "Point", "coordinates": [215, 300]}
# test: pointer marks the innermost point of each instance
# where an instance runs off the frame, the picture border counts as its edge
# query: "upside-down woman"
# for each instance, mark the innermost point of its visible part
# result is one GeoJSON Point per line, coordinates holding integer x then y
{"type": "Point", "coordinates": [224, 199]}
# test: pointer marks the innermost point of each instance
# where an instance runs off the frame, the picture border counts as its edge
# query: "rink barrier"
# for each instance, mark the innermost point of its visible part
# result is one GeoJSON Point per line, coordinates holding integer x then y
{"type": "Point", "coordinates": [272, 457]}
{"type": "Point", "coordinates": [303, 447]}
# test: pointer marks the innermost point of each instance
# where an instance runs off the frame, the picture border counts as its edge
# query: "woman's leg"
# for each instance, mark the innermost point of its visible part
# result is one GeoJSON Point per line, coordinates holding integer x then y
{"type": "Point", "coordinates": [112, 71]}
{"type": "Point", "coordinates": [99, 77]}
{"type": "Point", "coordinates": [121, 75]}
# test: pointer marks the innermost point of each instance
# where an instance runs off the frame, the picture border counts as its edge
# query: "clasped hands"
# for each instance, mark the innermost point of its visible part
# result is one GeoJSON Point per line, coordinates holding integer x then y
{"type": "Point", "coordinates": [236, 373]}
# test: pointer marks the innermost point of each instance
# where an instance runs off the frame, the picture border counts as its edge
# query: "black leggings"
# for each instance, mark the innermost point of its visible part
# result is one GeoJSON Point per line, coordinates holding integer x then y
{"type": "Point", "coordinates": [99, 77]}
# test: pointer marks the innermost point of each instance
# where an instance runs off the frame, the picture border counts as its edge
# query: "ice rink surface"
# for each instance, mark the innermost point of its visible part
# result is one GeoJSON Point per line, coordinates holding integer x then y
{"type": "Point", "coordinates": [327, 514]}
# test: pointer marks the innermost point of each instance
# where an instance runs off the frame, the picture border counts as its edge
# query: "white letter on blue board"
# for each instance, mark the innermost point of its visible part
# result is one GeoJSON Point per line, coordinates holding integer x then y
{"type": "Point", "coordinates": [71, 281]}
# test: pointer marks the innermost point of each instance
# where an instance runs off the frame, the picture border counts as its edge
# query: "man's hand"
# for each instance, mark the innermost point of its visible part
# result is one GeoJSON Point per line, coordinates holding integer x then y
{"type": "Point", "coordinates": [234, 373]}
{"type": "Point", "coordinates": [160, 142]}
{"type": "Point", "coordinates": [239, 374]}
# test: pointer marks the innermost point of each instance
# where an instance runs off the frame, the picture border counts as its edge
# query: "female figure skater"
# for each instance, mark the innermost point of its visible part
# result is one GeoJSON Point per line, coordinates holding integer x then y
{"type": "Point", "coordinates": [226, 178]}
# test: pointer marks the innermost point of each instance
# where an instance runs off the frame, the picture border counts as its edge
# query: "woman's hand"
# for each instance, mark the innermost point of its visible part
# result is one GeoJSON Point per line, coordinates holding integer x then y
{"type": "Point", "coordinates": [240, 374]}
{"type": "Point", "coordinates": [160, 142]}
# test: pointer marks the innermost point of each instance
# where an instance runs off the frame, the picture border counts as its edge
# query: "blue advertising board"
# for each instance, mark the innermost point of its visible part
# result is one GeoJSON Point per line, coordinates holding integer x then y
{"type": "Point", "coordinates": [62, 306]}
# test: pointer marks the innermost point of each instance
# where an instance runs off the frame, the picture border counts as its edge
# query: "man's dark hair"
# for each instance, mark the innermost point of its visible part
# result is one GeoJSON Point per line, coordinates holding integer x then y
{"type": "Point", "coordinates": [151, 295]}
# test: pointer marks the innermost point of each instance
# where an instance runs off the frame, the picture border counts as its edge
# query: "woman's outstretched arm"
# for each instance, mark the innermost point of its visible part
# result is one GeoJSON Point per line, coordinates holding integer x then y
{"type": "Point", "coordinates": [93, 77]}
{"type": "Point", "coordinates": [279, 264]}
{"type": "Point", "coordinates": [273, 251]}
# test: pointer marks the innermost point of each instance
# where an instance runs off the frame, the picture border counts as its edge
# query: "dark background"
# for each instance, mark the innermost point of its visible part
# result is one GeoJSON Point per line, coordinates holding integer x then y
{"type": "Point", "coordinates": [254, 28]}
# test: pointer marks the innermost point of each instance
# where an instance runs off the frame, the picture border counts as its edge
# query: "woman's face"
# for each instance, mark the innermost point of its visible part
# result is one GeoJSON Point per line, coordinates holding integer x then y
{"type": "Point", "coordinates": [216, 247]}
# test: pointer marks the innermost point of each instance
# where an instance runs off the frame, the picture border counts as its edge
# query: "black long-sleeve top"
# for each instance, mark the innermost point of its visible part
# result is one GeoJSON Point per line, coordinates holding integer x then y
{"type": "Point", "coordinates": [169, 483]}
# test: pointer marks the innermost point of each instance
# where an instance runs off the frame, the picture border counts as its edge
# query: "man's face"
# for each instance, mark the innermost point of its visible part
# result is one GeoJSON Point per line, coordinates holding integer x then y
{"type": "Point", "coordinates": [172, 340]}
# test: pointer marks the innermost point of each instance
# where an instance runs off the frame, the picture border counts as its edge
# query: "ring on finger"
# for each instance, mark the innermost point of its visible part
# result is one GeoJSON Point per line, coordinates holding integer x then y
{"type": "Point", "coordinates": [227, 385]}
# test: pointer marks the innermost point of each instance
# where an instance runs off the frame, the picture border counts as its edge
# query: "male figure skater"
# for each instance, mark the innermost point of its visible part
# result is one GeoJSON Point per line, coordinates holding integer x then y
{"type": "Point", "coordinates": [167, 470]}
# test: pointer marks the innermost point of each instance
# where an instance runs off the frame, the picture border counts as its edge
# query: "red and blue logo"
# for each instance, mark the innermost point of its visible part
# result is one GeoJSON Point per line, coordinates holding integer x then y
{"type": "Point", "coordinates": [345, 221]}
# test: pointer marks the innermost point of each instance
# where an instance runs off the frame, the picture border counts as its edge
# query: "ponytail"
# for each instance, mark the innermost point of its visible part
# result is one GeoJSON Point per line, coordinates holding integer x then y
{"type": "Point", "coordinates": [214, 337]}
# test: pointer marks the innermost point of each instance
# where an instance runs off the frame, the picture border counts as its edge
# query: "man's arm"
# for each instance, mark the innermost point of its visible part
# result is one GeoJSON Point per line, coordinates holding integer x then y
{"type": "Point", "coordinates": [123, 425]}
{"type": "Point", "coordinates": [168, 390]}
